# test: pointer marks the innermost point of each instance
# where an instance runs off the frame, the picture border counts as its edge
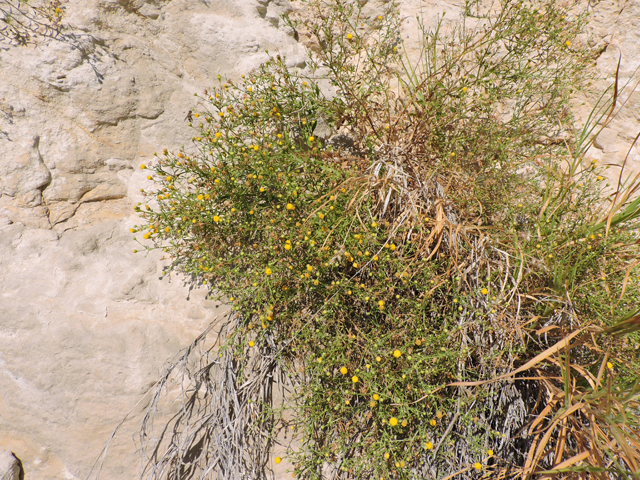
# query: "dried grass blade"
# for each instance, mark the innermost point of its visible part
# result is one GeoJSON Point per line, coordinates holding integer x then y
{"type": "Point", "coordinates": [537, 359]}
{"type": "Point", "coordinates": [630, 456]}
{"type": "Point", "coordinates": [626, 279]}
{"type": "Point", "coordinates": [528, 464]}
{"type": "Point", "coordinates": [567, 463]}
{"type": "Point", "coordinates": [541, 416]}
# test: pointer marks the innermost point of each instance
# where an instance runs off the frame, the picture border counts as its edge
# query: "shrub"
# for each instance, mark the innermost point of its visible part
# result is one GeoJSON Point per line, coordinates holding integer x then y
{"type": "Point", "coordinates": [425, 255]}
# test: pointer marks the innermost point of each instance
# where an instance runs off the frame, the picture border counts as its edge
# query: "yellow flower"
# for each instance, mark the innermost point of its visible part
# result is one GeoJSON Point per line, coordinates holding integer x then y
{"type": "Point", "coordinates": [287, 246]}
{"type": "Point", "coordinates": [484, 291]}
{"type": "Point", "coordinates": [132, 230]}
{"type": "Point", "coordinates": [249, 89]}
{"type": "Point", "coordinates": [386, 456]}
{"type": "Point", "coordinates": [349, 36]}
{"type": "Point", "coordinates": [216, 218]}
{"type": "Point", "coordinates": [397, 353]}
{"type": "Point", "coordinates": [381, 303]}
{"type": "Point", "coordinates": [490, 453]}
{"type": "Point", "coordinates": [392, 246]}
{"type": "Point", "coordinates": [290, 206]}
{"type": "Point", "coordinates": [464, 89]}
{"type": "Point", "coordinates": [393, 421]}
{"type": "Point", "coordinates": [428, 445]}
{"type": "Point", "coordinates": [354, 379]}
{"type": "Point", "coordinates": [321, 216]}
{"type": "Point", "coordinates": [251, 343]}
{"type": "Point", "coordinates": [218, 135]}
{"type": "Point", "coordinates": [343, 370]}
{"type": "Point", "coordinates": [311, 139]}
{"type": "Point", "coordinates": [404, 423]}
{"type": "Point", "coordinates": [168, 178]}
{"type": "Point", "coordinates": [355, 265]}
{"type": "Point", "coordinates": [256, 147]}
{"type": "Point", "coordinates": [309, 268]}
{"type": "Point", "coordinates": [610, 365]}
{"type": "Point", "coordinates": [477, 466]}
{"type": "Point", "coordinates": [378, 359]}
{"type": "Point", "coordinates": [143, 166]}
{"type": "Point", "coordinates": [375, 257]}
{"type": "Point", "coordinates": [376, 397]}
{"type": "Point", "coordinates": [567, 43]}
{"type": "Point", "coordinates": [135, 251]}
{"type": "Point", "coordinates": [277, 459]}
{"type": "Point", "coordinates": [268, 271]}
{"type": "Point", "coordinates": [433, 423]}
{"type": "Point", "coordinates": [372, 404]}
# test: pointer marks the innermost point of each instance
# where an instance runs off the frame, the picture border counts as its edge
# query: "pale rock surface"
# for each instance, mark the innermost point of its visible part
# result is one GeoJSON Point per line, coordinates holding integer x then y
{"type": "Point", "coordinates": [85, 324]}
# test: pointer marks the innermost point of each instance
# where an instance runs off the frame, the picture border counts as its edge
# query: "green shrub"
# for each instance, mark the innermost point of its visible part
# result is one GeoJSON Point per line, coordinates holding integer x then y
{"type": "Point", "coordinates": [461, 236]}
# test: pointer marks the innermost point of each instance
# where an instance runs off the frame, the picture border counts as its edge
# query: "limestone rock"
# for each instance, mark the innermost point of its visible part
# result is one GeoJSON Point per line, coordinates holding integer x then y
{"type": "Point", "coordinates": [26, 176]}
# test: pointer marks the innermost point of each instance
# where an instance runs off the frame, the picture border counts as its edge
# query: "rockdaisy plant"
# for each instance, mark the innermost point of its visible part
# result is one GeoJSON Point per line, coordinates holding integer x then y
{"type": "Point", "coordinates": [427, 277]}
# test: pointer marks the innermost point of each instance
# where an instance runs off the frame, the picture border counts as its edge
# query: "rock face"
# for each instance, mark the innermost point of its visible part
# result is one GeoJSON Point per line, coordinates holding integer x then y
{"type": "Point", "coordinates": [85, 324]}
